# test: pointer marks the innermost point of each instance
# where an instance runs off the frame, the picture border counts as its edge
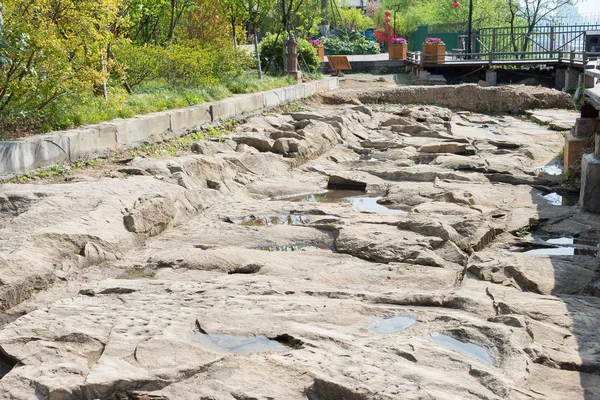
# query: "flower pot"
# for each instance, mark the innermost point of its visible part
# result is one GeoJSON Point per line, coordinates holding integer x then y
{"type": "Point", "coordinates": [438, 50]}
{"type": "Point", "coordinates": [321, 52]}
{"type": "Point", "coordinates": [398, 51]}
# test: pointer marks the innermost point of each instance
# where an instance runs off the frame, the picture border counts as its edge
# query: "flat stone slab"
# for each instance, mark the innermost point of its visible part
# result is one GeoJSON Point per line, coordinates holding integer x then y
{"type": "Point", "coordinates": [556, 119]}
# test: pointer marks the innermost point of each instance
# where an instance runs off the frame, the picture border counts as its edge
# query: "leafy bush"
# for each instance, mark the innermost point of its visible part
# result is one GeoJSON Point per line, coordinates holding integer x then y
{"type": "Point", "coordinates": [353, 19]}
{"type": "Point", "coordinates": [181, 65]}
{"type": "Point", "coordinates": [335, 46]}
{"type": "Point", "coordinates": [271, 51]}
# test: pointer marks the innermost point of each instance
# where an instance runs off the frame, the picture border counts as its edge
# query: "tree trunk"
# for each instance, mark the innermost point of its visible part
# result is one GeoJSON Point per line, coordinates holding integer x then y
{"type": "Point", "coordinates": [258, 66]}
{"type": "Point", "coordinates": [233, 30]}
{"type": "Point", "coordinates": [172, 22]}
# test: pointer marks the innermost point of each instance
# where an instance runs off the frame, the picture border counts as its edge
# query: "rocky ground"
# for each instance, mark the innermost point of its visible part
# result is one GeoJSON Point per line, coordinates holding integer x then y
{"type": "Point", "coordinates": [339, 252]}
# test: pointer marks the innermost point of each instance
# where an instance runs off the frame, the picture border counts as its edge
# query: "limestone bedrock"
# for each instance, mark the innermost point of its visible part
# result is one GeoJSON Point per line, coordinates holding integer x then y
{"type": "Point", "coordinates": [340, 252]}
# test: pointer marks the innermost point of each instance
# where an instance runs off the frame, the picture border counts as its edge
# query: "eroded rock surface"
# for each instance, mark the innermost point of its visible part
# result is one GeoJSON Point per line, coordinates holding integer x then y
{"type": "Point", "coordinates": [341, 252]}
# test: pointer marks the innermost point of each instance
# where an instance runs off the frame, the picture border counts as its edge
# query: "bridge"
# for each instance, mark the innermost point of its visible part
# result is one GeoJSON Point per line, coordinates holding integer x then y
{"type": "Point", "coordinates": [560, 47]}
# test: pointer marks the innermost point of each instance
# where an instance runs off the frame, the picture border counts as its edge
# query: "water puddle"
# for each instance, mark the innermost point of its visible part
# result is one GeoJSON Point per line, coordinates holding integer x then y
{"type": "Point", "coordinates": [286, 247]}
{"type": "Point", "coordinates": [468, 349]}
{"type": "Point", "coordinates": [328, 196]}
{"type": "Point", "coordinates": [559, 246]}
{"type": "Point", "coordinates": [370, 204]}
{"type": "Point", "coordinates": [364, 202]}
{"type": "Point", "coordinates": [7, 363]}
{"type": "Point", "coordinates": [391, 325]}
{"type": "Point", "coordinates": [564, 199]}
{"type": "Point", "coordinates": [551, 169]}
{"type": "Point", "coordinates": [238, 344]}
{"type": "Point", "coordinates": [4, 369]}
{"type": "Point", "coordinates": [572, 240]}
{"type": "Point", "coordinates": [269, 220]}
{"type": "Point", "coordinates": [367, 158]}
{"type": "Point", "coordinates": [561, 251]}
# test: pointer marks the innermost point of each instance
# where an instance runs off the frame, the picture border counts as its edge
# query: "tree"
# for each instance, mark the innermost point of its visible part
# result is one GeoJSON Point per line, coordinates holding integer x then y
{"type": "Point", "coordinates": [352, 19]}
{"type": "Point", "coordinates": [254, 13]}
{"type": "Point", "coordinates": [532, 12]}
{"type": "Point", "coordinates": [51, 48]}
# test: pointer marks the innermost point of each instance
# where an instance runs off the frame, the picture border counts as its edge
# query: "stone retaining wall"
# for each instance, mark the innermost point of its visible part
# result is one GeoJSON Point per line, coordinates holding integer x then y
{"type": "Point", "coordinates": [469, 97]}
{"type": "Point", "coordinates": [22, 155]}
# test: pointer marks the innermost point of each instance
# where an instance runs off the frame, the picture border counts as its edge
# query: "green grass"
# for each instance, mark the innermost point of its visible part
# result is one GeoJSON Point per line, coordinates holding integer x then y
{"type": "Point", "coordinates": [86, 109]}
{"type": "Point", "coordinates": [53, 171]}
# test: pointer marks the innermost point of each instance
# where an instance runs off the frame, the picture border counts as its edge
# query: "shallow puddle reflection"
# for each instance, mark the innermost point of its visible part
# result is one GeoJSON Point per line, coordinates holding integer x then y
{"type": "Point", "coordinates": [370, 204]}
{"type": "Point", "coordinates": [286, 247]}
{"type": "Point", "coordinates": [238, 344]}
{"type": "Point", "coordinates": [565, 199]}
{"type": "Point", "coordinates": [361, 200]}
{"type": "Point", "coordinates": [268, 220]}
{"type": "Point", "coordinates": [562, 251]}
{"type": "Point", "coordinates": [468, 349]}
{"type": "Point", "coordinates": [559, 246]}
{"type": "Point", "coordinates": [391, 325]}
{"type": "Point", "coordinates": [551, 169]}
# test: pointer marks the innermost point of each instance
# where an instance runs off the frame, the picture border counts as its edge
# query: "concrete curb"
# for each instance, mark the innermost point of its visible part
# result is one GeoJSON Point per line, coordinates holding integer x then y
{"type": "Point", "coordinates": [23, 155]}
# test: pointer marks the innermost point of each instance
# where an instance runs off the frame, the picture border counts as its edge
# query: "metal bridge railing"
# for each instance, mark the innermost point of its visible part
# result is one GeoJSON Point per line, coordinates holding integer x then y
{"type": "Point", "coordinates": [491, 58]}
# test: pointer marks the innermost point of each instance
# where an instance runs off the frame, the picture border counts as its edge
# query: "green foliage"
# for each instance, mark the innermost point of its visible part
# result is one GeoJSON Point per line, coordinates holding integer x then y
{"type": "Point", "coordinates": [523, 231]}
{"type": "Point", "coordinates": [247, 82]}
{"type": "Point", "coordinates": [47, 51]}
{"type": "Point", "coordinates": [182, 65]}
{"type": "Point", "coordinates": [53, 171]}
{"type": "Point", "coordinates": [69, 62]}
{"type": "Point", "coordinates": [337, 46]}
{"type": "Point", "coordinates": [84, 109]}
{"type": "Point", "coordinates": [272, 50]}
{"type": "Point", "coordinates": [304, 19]}
{"type": "Point", "coordinates": [561, 155]}
{"type": "Point", "coordinates": [412, 13]}
{"type": "Point", "coordinates": [352, 19]}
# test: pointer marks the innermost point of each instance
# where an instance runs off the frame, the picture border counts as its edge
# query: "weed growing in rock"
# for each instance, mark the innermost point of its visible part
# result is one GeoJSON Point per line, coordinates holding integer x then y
{"type": "Point", "coordinates": [53, 171]}
{"type": "Point", "coordinates": [561, 155]}
{"type": "Point", "coordinates": [523, 231]}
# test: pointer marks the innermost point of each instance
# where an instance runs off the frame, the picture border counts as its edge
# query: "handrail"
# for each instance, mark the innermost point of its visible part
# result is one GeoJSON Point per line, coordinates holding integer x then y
{"type": "Point", "coordinates": [571, 57]}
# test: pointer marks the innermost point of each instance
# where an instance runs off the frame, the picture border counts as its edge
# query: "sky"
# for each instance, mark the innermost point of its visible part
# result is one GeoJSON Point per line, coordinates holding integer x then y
{"type": "Point", "coordinates": [588, 6]}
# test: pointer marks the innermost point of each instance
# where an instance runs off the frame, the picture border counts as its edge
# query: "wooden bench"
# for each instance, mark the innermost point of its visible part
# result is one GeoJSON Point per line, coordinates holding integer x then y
{"type": "Point", "coordinates": [339, 63]}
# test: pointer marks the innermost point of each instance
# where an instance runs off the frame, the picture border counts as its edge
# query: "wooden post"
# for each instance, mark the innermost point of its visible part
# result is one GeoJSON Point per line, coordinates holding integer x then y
{"type": "Point", "coordinates": [572, 57]}
{"type": "Point", "coordinates": [491, 60]}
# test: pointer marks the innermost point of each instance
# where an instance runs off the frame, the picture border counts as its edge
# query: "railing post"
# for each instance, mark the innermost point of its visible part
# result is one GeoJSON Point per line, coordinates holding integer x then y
{"type": "Point", "coordinates": [572, 57]}
{"type": "Point", "coordinates": [560, 55]}
{"type": "Point", "coordinates": [491, 61]}
{"type": "Point", "coordinates": [551, 42]}
{"type": "Point", "coordinates": [494, 40]}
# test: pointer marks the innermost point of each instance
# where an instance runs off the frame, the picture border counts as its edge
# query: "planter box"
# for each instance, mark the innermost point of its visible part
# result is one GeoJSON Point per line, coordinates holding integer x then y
{"type": "Point", "coordinates": [321, 52]}
{"type": "Point", "coordinates": [398, 51]}
{"type": "Point", "coordinates": [439, 51]}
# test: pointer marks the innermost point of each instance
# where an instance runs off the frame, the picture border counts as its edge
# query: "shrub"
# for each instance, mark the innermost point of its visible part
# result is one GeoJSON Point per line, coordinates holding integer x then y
{"type": "Point", "coordinates": [271, 51]}
{"type": "Point", "coordinates": [181, 65]}
{"type": "Point", "coordinates": [335, 46]}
